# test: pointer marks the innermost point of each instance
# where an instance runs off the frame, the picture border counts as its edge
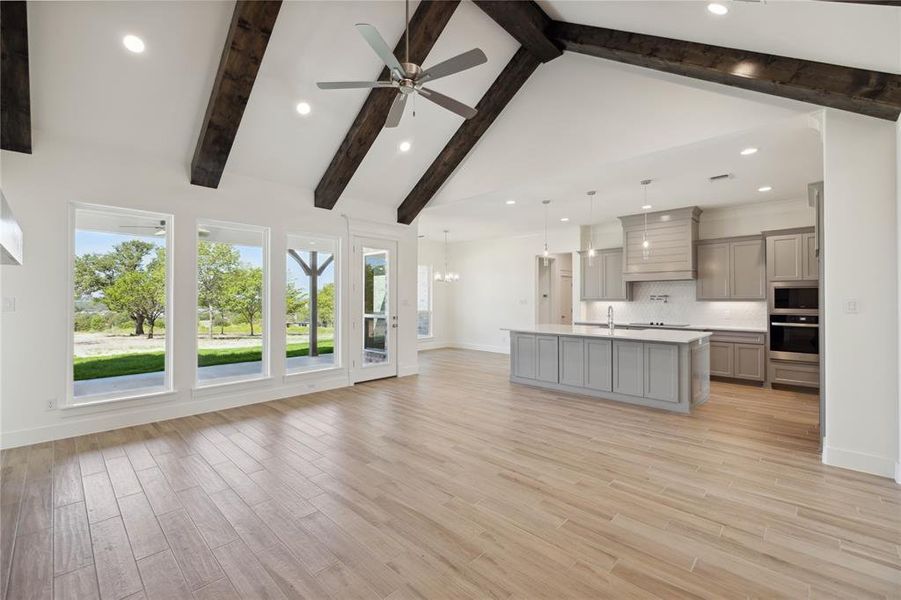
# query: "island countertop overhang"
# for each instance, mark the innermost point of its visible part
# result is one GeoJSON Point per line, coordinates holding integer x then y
{"type": "Point", "coordinates": [663, 336]}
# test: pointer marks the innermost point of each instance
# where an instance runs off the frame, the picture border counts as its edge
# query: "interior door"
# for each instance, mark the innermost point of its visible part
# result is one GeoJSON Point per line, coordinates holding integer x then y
{"type": "Point", "coordinates": [374, 328]}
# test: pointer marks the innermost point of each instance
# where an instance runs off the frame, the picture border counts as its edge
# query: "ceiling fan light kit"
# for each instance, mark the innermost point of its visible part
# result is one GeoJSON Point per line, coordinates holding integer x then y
{"type": "Point", "coordinates": [409, 78]}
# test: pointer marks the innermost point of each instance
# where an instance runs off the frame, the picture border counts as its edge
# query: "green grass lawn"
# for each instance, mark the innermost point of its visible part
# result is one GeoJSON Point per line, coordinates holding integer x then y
{"type": "Point", "coordinates": [94, 367]}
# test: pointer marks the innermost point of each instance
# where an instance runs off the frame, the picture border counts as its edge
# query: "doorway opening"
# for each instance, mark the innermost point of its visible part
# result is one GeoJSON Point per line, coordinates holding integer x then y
{"type": "Point", "coordinates": [554, 290]}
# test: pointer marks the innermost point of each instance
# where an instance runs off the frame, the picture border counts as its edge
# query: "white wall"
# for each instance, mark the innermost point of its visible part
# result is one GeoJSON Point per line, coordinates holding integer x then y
{"type": "Point", "coordinates": [861, 263]}
{"type": "Point", "coordinates": [432, 253]}
{"type": "Point", "coordinates": [497, 287]}
{"type": "Point", "coordinates": [33, 350]}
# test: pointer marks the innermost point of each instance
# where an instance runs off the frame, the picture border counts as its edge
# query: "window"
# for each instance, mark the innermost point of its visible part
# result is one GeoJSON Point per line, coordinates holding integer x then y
{"type": "Point", "coordinates": [121, 291]}
{"type": "Point", "coordinates": [311, 303]}
{"type": "Point", "coordinates": [232, 323]}
{"type": "Point", "coordinates": [424, 302]}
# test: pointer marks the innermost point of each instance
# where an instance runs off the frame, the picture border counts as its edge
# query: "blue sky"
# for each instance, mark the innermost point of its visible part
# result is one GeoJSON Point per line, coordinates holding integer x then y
{"type": "Point", "coordinates": [300, 280]}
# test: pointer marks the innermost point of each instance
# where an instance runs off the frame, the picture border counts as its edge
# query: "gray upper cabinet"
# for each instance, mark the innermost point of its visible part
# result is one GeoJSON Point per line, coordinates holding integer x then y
{"type": "Point", "coordinates": [791, 255]}
{"type": "Point", "coordinates": [811, 266]}
{"type": "Point", "coordinates": [602, 276]}
{"type": "Point", "coordinates": [731, 269]}
{"type": "Point", "coordinates": [671, 254]}
{"type": "Point", "coordinates": [713, 272]}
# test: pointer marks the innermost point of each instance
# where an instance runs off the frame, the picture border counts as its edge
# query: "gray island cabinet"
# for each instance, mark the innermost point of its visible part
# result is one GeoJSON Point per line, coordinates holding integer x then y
{"type": "Point", "coordinates": [662, 369]}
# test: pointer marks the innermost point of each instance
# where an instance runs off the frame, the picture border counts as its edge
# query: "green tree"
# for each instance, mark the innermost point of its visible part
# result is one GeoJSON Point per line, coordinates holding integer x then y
{"type": "Point", "coordinates": [94, 273]}
{"type": "Point", "coordinates": [326, 299]}
{"type": "Point", "coordinates": [244, 293]}
{"type": "Point", "coordinates": [297, 303]}
{"type": "Point", "coordinates": [141, 292]}
{"type": "Point", "coordinates": [216, 262]}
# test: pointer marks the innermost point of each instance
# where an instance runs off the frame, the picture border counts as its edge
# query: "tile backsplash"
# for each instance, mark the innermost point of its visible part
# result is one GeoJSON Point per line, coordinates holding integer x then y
{"type": "Point", "coordinates": [680, 307]}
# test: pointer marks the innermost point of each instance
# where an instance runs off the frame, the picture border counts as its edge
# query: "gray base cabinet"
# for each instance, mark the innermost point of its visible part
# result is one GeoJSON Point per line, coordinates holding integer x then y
{"type": "Point", "coordinates": [599, 365]}
{"type": "Point", "coordinates": [661, 372]}
{"type": "Point", "coordinates": [661, 375]}
{"type": "Point", "coordinates": [628, 368]}
{"type": "Point", "coordinates": [738, 355]}
{"type": "Point", "coordinates": [572, 361]}
{"type": "Point", "coordinates": [546, 365]}
{"type": "Point", "coordinates": [801, 374]}
{"type": "Point", "coordinates": [522, 352]}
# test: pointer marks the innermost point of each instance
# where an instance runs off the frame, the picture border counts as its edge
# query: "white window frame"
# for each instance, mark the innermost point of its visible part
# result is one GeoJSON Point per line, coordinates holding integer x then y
{"type": "Point", "coordinates": [72, 401]}
{"type": "Point", "coordinates": [431, 284]}
{"type": "Point", "coordinates": [339, 312]}
{"type": "Point", "coordinates": [265, 372]}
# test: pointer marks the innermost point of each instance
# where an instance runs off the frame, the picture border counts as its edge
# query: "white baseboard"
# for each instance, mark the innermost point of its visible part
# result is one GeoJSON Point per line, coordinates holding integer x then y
{"type": "Point", "coordinates": [95, 423]}
{"type": "Point", "coordinates": [860, 461]}
{"type": "Point", "coordinates": [480, 347]}
{"type": "Point", "coordinates": [405, 370]}
{"type": "Point", "coordinates": [898, 472]}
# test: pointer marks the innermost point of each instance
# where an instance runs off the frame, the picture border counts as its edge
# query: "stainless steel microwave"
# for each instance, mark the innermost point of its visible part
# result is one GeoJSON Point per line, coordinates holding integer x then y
{"type": "Point", "coordinates": [794, 298]}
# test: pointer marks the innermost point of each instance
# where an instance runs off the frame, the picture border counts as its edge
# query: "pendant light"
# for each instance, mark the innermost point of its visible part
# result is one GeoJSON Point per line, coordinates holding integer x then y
{"type": "Point", "coordinates": [546, 255]}
{"type": "Point", "coordinates": [591, 251]}
{"type": "Point", "coordinates": [645, 242]}
{"type": "Point", "coordinates": [447, 276]}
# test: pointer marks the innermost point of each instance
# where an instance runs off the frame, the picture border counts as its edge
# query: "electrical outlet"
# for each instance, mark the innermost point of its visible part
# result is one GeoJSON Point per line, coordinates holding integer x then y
{"type": "Point", "coordinates": [51, 403]}
{"type": "Point", "coordinates": [851, 307]}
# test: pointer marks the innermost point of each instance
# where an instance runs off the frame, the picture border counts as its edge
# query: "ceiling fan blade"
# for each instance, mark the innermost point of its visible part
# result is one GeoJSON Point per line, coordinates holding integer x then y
{"type": "Point", "coordinates": [461, 62]}
{"type": "Point", "coordinates": [467, 112]}
{"type": "Point", "coordinates": [352, 85]}
{"type": "Point", "coordinates": [397, 111]}
{"type": "Point", "coordinates": [377, 43]}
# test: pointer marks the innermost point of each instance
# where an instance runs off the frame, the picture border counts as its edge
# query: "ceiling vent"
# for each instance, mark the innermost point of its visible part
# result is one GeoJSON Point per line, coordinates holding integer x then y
{"type": "Point", "coordinates": [722, 177]}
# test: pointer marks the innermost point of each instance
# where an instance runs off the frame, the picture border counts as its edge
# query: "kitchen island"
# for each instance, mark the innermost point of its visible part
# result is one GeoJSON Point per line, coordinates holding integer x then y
{"type": "Point", "coordinates": [659, 368]}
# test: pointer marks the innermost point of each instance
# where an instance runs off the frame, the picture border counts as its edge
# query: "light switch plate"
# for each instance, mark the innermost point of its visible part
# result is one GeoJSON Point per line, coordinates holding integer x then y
{"type": "Point", "coordinates": [9, 304]}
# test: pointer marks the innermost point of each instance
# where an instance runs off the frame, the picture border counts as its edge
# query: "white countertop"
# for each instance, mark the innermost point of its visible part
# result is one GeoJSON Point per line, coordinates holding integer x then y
{"type": "Point", "coordinates": [641, 335]}
{"type": "Point", "coordinates": [688, 328]}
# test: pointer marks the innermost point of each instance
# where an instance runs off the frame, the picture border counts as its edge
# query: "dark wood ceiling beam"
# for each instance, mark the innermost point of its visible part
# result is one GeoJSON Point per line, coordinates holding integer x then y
{"type": "Point", "coordinates": [15, 86]}
{"type": "Point", "coordinates": [526, 22]}
{"type": "Point", "coordinates": [248, 35]}
{"type": "Point", "coordinates": [514, 75]}
{"type": "Point", "coordinates": [871, 93]}
{"type": "Point", "coordinates": [426, 25]}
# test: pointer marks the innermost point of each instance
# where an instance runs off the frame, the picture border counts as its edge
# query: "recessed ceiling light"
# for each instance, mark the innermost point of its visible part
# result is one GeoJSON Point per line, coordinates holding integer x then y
{"type": "Point", "coordinates": [404, 146]}
{"type": "Point", "coordinates": [133, 43]}
{"type": "Point", "coordinates": [564, 219]}
{"type": "Point", "coordinates": [717, 8]}
{"type": "Point", "coordinates": [647, 207]}
{"type": "Point", "coordinates": [510, 202]}
{"type": "Point", "coordinates": [303, 108]}
{"type": "Point", "coordinates": [749, 151]}
{"type": "Point", "coordinates": [765, 188]}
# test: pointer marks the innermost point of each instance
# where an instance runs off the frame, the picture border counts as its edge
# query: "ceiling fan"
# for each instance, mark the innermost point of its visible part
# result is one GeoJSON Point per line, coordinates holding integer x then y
{"type": "Point", "coordinates": [409, 78]}
{"type": "Point", "coordinates": [160, 229]}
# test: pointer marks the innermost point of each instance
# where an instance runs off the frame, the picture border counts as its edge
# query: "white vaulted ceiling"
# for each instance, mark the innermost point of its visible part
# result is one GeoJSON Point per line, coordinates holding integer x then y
{"type": "Point", "coordinates": [574, 121]}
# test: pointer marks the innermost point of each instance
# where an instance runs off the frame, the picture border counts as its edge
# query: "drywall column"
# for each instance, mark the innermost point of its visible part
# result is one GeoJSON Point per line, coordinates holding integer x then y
{"type": "Point", "coordinates": [861, 312]}
{"type": "Point", "coordinates": [898, 232]}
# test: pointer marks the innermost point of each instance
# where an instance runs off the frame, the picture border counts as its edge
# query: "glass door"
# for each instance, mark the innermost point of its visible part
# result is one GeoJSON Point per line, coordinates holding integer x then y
{"type": "Point", "coordinates": [375, 321]}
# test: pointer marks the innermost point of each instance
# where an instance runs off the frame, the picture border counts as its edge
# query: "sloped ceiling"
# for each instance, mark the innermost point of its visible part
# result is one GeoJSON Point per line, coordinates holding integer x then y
{"type": "Point", "coordinates": [573, 120]}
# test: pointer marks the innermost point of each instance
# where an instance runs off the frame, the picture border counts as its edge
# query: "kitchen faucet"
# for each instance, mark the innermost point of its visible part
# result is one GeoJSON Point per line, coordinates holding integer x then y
{"type": "Point", "coordinates": [610, 325]}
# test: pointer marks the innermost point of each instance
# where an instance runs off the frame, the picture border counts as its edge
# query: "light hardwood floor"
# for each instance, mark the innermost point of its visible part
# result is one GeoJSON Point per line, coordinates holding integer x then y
{"type": "Point", "coordinates": [448, 485]}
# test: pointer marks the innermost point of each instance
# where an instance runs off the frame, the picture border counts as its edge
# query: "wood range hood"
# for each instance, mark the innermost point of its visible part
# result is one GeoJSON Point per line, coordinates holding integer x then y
{"type": "Point", "coordinates": [671, 254]}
